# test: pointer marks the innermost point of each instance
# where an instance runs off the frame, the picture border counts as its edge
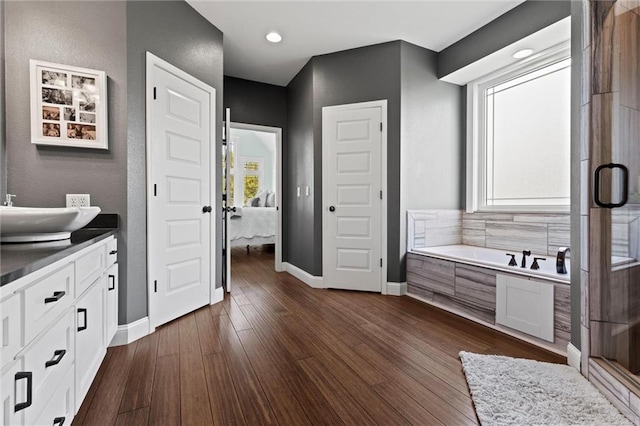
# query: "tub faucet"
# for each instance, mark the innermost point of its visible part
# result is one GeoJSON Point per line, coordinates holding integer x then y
{"type": "Point", "coordinates": [8, 201]}
{"type": "Point", "coordinates": [561, 267]}
{"type": "Point", "coordinates": [525, 253]}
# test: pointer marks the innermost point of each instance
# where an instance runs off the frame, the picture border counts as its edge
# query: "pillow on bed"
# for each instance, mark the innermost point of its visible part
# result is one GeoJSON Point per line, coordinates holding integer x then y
{"type": "Point", "coordinates": [251, 201]}
{"type": "Point", "coordinates": [262, 198]}
{"type": "Point", "coordinates": [255, 202]}
{"type": "Point", "coordinates": [271, 200]}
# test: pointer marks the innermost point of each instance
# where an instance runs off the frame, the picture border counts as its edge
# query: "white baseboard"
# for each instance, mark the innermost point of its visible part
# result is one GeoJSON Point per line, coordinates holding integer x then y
{"type": "Point", "coordinates": [131, 332]}
{"type": "Point", "coordinates": [396, 289]}
{"type": "Point", "coordinates": [304, 276]}
{"type": "Point", "coordinates": [574, 357]}
{"type": "Point", "coordinates": [218, 295]}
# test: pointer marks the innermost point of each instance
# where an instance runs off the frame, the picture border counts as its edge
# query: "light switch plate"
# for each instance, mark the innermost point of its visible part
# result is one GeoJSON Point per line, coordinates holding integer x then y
{"type": "Point", "coordinates": [78, 200]}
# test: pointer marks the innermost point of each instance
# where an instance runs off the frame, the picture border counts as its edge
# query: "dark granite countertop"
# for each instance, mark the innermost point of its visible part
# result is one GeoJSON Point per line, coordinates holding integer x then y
{"type": "Point", "coordinates": [20, 259]}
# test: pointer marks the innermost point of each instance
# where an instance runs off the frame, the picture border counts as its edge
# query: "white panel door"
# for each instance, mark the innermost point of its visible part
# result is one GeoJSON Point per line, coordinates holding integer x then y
{"type": "Point", "coordinates": [179, 234]}
{"type": "Point", "coordinates": [352, 139]}
{"type": "Point", "coordinates": [229, 202]}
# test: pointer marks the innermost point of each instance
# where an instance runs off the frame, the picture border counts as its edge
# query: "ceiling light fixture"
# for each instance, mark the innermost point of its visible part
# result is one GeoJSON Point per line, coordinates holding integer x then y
{"type": "Point", "coordinates": [274, 37]}
{"type": "Point", "coordinates": [523, 53]}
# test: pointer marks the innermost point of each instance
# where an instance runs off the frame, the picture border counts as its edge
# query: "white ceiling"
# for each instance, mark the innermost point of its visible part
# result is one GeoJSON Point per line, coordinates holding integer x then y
{"type": "Point", "coordinates": [311, 28]}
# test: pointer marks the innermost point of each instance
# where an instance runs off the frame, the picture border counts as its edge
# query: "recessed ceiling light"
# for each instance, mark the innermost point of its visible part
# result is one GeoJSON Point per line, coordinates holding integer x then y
{"type": "Point", "coordinates": [522, 53]}
{"type": "Point", "coordinates": [274, 37]}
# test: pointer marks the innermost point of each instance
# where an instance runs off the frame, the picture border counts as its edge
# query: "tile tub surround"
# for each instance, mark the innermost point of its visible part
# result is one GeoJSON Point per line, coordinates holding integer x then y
{"type": "Point", "coordinates": [540, 233]}
{"type": "Point", "coordinates": [498, 260]}
{"type": "Point", "coordinates": [468, 289]}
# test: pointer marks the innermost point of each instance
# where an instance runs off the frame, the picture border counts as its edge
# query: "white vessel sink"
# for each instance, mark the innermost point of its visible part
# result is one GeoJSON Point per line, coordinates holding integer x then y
{"type": "Point", "coordinates": [29, 224]}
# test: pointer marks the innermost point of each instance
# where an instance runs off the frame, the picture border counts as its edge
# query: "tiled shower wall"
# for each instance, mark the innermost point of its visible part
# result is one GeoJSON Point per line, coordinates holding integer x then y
{"type": "Point", "coordinates": [610, 112]}
{"type": "Point", "coordinates": [540, 233]}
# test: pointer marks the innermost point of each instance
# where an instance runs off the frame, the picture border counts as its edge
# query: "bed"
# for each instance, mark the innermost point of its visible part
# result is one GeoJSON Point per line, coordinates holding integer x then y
{"type": "Point", "coordinates": [250, 226]}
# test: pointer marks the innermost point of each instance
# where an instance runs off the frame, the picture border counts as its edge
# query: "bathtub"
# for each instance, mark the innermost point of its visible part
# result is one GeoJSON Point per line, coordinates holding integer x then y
{"type": "Point", "coordinates": [498, 260]}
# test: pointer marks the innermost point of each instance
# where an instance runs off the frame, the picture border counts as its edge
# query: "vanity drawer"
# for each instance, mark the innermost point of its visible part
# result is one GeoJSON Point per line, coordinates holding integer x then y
{"type": "Point", "coordinates": [50, 358]}
{"type": "Point", "coordinates": [112, 251]}
{"type": "Point", "coordinates": [89, 268]}
{"type": "Point", "coordinates": [60, 409]}
{"type": "Point", "coordinates": [10, 328]}
{"type": "Point", "coordinates": [47, 299]}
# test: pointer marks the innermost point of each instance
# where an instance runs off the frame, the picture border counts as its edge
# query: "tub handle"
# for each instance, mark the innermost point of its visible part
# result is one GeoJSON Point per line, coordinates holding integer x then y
{"type": "Point", "coordinates": [512, 262]}
{"type": "Point", "coordinates": [535, 265]}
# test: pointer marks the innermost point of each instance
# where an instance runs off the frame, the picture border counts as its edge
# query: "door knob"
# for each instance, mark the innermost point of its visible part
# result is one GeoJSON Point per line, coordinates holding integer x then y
{"type": "Point", "coordinates": [206, 209]}
{"type": "Point", "coordinates": [332, 208]}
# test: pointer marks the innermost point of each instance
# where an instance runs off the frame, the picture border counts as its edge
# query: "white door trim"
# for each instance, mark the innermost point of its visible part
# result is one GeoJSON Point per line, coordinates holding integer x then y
{"type": "Point", "coordinates": [151, 61]}
{"type": "Point", "coordinates": [279, 267]}
{"type": "Point", "coordinates": [382, 104]}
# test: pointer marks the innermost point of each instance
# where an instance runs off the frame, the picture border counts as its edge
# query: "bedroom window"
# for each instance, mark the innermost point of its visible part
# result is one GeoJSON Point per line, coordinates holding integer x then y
{"type": "Point", "coordinates": [519, 136]}
{"type": "Point", "coordinates": [251, 177]}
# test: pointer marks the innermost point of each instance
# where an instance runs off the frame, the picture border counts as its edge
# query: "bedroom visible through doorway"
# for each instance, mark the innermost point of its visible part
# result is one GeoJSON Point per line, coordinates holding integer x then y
{"type": "Point", "coordinates": [254, 154]}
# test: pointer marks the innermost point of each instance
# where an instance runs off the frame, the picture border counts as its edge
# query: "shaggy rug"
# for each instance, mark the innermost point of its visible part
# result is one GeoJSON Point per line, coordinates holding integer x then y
{"type": "Point", "coordinates": [513, 391]}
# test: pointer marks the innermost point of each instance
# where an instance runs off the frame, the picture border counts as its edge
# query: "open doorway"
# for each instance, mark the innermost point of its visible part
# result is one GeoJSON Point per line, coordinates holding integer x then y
{"type": "Point", "coordinates": [255, 194]}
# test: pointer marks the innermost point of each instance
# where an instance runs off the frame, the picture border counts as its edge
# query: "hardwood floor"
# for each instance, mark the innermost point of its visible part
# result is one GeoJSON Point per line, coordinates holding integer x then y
{"type": "Point", "coordinates": [280, 352]}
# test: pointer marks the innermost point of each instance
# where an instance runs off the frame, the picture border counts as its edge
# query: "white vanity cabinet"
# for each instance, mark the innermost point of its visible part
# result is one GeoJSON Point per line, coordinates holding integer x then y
{"type": "Point", "coordinates": [55, 325]}
{"type": "Point", "coordinates": [111, 309]}
{"type": "Point", "coordinates": [90, 329]}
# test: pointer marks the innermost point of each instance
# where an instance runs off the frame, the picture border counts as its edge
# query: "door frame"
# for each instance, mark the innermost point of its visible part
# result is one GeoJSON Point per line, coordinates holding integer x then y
{"type": "Point", "coordinates": [382, 104]}
{"type": "Point", "coordinates": [151, 61]}
{"type": "Point", "coordinates": [277, 131]}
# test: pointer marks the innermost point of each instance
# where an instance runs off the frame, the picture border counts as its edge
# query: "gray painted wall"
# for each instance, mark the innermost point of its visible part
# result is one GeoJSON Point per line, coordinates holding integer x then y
{"type": "Point", "coordinates": [519, 22]}
{"type": "Point", "coordinates": [432, 162]}
{"type": "Point", "coordinates": [256, 103]}
{"type": "Point", "coordinates": [109, 36]}
{"type": "Point", "coordinates": [577, 23]}
{"type": "Point", "coordinates": [298, 161]}
{"type": "Point", "coordinates": [430, 126]}
{"type": "Point", "coordinates": [175, 32]}
{"type": "Point", "coordinates": [366, 74]}
{"type": "Point", "coordinates": [3, 150]}
{"type": "Point", "coordinates": [42, 175]}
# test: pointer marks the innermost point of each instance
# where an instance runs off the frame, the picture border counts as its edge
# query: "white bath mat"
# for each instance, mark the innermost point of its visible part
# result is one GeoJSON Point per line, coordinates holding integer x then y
{"type": "Point", "coordinates": [513, 391]}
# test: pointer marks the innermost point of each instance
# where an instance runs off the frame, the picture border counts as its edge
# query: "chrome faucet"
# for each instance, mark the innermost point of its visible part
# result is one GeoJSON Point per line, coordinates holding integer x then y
{"type": "Point", "coordinates": [561, 267]}
{"type": "Point", "coordinates": [8, 201]}
{"type": "Point", "coordinates": [525, 253]}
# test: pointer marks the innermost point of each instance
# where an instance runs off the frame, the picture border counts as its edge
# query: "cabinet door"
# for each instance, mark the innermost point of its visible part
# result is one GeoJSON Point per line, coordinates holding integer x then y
{"type": "Point", "coordinates": [90, 347]}
{"type": "Point", "coordinates": [50, 357]}
{"type": "Point", "coordinates": [10, 328]}
{"type": "Point", "coordinates": [60, 408]}
{"type": "Point", "coordinates": [13, 384]}
{"type": "Point", "coordinates": [111, 323]}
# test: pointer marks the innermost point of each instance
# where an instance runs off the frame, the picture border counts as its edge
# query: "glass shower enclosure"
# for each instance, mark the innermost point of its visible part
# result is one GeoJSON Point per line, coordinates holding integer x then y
{"type": "Point", "coordinates": [614, 205]}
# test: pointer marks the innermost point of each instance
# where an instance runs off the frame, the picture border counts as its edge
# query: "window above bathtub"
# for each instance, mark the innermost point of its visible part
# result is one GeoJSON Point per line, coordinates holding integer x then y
{"type": "Point", "coordinates": [518, 135]}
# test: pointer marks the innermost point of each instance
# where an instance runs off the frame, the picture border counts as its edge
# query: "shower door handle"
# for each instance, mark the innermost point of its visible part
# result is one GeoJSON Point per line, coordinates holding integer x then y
{"type": "Point", "coordinates": [625, 185]}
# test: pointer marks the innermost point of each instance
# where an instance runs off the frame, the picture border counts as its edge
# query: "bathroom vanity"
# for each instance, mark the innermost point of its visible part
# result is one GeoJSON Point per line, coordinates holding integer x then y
{"type": "Point", "coordinates": [58, 314]}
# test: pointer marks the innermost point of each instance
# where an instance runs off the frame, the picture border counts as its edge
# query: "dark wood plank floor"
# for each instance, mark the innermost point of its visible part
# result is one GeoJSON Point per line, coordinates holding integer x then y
{"type": "Point", "coordinates": [279, 352]}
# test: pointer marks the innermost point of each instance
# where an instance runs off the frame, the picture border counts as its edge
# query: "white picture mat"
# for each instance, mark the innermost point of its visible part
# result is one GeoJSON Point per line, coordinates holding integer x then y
{"type": "Point", "coordinates": [71, 102]}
